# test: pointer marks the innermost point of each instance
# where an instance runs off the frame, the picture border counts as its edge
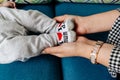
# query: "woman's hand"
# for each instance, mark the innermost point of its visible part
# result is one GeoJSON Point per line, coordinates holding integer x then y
{"type": "Point", "coordinates": [8, 4]}
{"type": "Point", "coordinates": [80, 23]}
{"type": "Point", "coordinates": [82, 47]}
{"type": "Point", "coordinates": [94, 23]}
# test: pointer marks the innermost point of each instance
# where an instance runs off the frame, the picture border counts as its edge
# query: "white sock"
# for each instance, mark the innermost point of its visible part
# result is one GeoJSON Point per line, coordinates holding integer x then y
{"type": "Point", "coordinates": [67, 25]}
{"type": "Point", "coordinates": [64, 37]}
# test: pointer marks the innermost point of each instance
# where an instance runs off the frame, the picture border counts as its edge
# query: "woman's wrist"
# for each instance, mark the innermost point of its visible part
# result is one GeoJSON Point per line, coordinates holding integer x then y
{"type": "Point", "coordinates": [86, 53]}
{"type": "Point", "coordinates": [104, 54]}
{"type": "Point", "coordinates": [95, 51]}
{"type": "Point", "coordinates": [100, 22]}
{"type": "Point", "coordinates": [88, 47]}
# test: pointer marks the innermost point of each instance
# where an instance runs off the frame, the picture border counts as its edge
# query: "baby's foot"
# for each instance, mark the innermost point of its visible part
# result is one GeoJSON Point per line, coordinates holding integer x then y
{"type": "Point", "coordinates": [67, 25]}
{"type": "Point", "coordinates": [64, 37]}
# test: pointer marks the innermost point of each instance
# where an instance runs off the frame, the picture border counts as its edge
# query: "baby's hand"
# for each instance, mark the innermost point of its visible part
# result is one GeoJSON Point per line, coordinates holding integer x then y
{"type": "Point", "coordinates": [9, 4]}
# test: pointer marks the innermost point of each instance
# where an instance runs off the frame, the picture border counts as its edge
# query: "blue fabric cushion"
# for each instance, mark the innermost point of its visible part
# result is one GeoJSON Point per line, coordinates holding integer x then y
{"type": "Point", "coordinates": [46, 9]}
{"type": "Point", "coordinates": [79, 68]}
{"type": "Point", "coordinates": [82, 9]}
{"type": "Point", "coordinates": [43, 67]}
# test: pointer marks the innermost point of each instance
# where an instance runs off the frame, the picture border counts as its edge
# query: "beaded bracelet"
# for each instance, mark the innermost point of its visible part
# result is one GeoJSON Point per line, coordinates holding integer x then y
{"type": "Point", "coordinates": [95, 51]}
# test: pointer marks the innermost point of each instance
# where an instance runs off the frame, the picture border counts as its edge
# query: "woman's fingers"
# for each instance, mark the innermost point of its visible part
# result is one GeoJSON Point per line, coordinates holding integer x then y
{"type": "Point", "coordinates": [60, 18]}
{"type": "Point", "coordinates": [53, 50]}
{"type": "Point", "coordinates": [64, 50]}
{"type": "Point", "coordinates": [64, 17]}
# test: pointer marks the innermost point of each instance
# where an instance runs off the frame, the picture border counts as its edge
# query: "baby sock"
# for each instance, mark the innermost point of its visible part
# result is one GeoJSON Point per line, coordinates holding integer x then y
{"type": "Point", "coordinates": [64, 37]}
{"type": "Point", "coordinates": [67, 25]}
{"type": "Point", "coordinates": [64, 31]}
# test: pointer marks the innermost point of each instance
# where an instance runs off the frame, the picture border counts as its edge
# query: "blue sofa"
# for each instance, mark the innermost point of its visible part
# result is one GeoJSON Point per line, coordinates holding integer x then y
{"type": "Point", "coordinates": [48, 67]}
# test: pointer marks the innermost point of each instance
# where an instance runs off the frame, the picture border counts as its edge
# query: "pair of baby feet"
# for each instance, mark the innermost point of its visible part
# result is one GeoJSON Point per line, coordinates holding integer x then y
{"type": "Point", "coordinates": [65, 32]}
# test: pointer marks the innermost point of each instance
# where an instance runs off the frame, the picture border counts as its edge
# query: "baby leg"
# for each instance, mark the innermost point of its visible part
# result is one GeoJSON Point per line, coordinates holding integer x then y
{"type": "Point", "coordinates": [35, 21]}
{"type": "Point", "coordinates": [32, 20]}
{"type": "Point", "coordinates": [21, 48]}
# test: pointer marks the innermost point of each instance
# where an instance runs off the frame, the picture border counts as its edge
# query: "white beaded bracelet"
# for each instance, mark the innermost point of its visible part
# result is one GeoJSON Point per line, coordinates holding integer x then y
{"type": "Point", "coordinates": [95, 51]}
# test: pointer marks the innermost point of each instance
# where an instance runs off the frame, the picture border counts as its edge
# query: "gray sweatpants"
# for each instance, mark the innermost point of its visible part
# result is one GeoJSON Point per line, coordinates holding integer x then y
{"type": "Point", "coordinates": [15, 44]}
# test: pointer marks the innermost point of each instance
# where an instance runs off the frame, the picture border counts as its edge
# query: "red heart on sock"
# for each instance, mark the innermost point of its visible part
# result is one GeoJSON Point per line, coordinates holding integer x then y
{"type": "Point", "coordinates": [59, 36]}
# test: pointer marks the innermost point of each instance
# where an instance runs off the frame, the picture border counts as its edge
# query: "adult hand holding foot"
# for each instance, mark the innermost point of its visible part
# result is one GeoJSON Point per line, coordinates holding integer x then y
{"type": "Point", "coordinates": [83, 47]}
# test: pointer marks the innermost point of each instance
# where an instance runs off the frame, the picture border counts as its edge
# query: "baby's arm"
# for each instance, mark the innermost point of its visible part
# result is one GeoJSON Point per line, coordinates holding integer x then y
{"type": "Point", "coordinates": [8, 4]}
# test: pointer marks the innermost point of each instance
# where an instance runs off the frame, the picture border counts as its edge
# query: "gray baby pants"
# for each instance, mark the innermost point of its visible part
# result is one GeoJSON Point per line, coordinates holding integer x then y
{"type": "Point", "coordinates": [15, 44]}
